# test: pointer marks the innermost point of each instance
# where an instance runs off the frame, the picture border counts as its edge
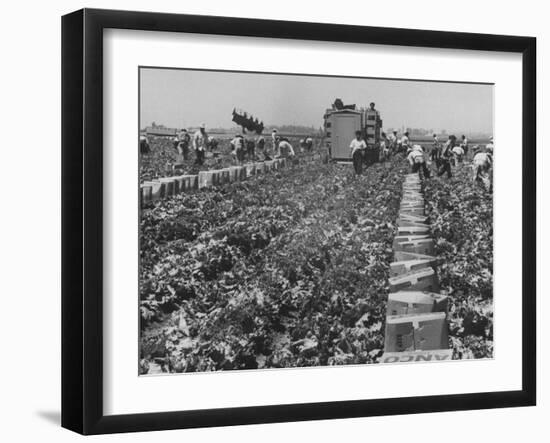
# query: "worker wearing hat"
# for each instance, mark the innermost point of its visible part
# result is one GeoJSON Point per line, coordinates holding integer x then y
{"type": "Point", "coordinates": [200, 143]}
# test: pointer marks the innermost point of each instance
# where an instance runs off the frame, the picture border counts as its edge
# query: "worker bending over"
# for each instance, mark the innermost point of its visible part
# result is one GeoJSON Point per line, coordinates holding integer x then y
{"type": "Point", "coordinates": [458, 154]}
{"type": "Point", "coordinates": [481, 164]}
{"type": "Point", "coordinates": [357, 152]}
{"type": "Point", "coordinates": [284, 148]}
{"type": "Point", "coordinates": [417, 161]}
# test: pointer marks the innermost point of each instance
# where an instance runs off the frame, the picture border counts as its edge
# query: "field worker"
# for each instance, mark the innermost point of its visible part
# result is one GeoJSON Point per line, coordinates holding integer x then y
{"type": "Point", "coordinates": [464, 144]}
{"type": "Point", "coordinates": [237, 148]}
{"type": "Point", "coordinates": [250, 146]}
{"type": "Point", "coordinates": [200, 143]}
{"type": "Point", "coordinates": [458, 152]}
{"type": "Point", "coordinates": [405, 141]}
{"type": "Point", "coordinates": [213, 143]}
{"type": "Point", "coordinates": [481, 165]}
{"type": "Point", "coordinates": [446, 156]}
{"type": "Point", "coordinates": [285, 149]}
{"type": "Point", "coordinates": [417, 161]}
{"type": "Point", "coordinates": [260, 146]}
{"type": "Point", "coordinates": [274, 140]}
{"type": "Point", "coordinates": [309, 143]}
{"type": "Point", "coordinates": [357, 152]}
{"type": "Point", "coordinates": [393, 142]}
{"type": "Point", "coordinates": [385, 146]}
{"type": "Point", "coordinates": [183, 139]}
{"type": "Point", "coordinates": [435, 154]}
{"type": "Point", "coordinates": [144, 147]}
{"type": "Point", "coordinates": [489, 147]}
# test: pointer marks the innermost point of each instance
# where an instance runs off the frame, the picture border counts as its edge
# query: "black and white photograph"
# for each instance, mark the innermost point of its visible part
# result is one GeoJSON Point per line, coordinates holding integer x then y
{"type": "Point", "coordinates": [294, 221]}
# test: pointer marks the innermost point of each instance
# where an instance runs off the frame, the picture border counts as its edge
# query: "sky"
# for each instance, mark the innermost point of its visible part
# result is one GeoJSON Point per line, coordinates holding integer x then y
{"type": "Point", "coordinates": [186, 98]}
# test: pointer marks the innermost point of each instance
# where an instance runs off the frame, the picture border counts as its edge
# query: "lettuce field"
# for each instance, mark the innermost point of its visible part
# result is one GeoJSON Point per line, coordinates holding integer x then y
{"type": "Point", "coordinates": [291, 269]}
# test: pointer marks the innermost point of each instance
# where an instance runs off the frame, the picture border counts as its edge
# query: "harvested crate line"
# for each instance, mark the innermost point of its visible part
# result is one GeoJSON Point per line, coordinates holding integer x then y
{"type": "Point", "coordinates": [167, 187]}
{"type": "Point", "coordinates": [416, 314]}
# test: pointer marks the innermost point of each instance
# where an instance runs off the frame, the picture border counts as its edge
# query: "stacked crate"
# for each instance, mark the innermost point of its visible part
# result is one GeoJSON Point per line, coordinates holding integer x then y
{"type": "Point", "coordinates": [168, 186]}
{"type": "Point", "coordinates": [416, 322]}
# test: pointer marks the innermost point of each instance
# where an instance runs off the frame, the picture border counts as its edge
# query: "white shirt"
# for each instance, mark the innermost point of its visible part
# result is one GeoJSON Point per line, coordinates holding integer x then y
{"type": "Point", "coordinates": [416, 156]}
{"type": "Point", "coordinates": [405, 140]}
{"type": "Point", "coordinates": [392, 138]}
{"type": "Point", "coordinates": [238, 143]}
{"type": "Point", "coordinates": [482, 159]}
{"type": "Point", "coordinates": [200, 140]}
{"type": "Point", "coordinates": [458, 150]}
{"type": "Point", "coordinates": [357, 144]}
{"type": "Point", "coordinates": [287, 145]}
{"type": "Point", "coordinates": [418, 148]}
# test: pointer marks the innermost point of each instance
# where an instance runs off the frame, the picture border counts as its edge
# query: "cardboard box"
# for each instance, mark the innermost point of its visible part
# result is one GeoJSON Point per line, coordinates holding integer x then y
{"type": "Point", "coordinates": [157, 189]}
{"type": "Point", "coordinates": [180, 181]}
{"type": "Point", "coordinates": [408, 238]}
{"type": "Point", "coordinates": [406, 223]}
{"type": "Point", "coordinates": [417, 356]}
{"type": "Point", "coordinates": [418, 279]}
{"type": "Point", "coordinates": [405, 266]}
{"type": "Point", "coordinates": [250, 169]}
{"type": "Point", "coordinates": [415, 302]}
{"type": "Point", "coordinates": [421, 332]}
{"type": "Point", "coordinates": [191, 182]}
{"type": "Point", "coordinates": [413, 230]}
{"type": "Point", "coordinates": [410, 210]}
{"type": "Point", "coordinates": [171, 185]}
{"type": "Point", "coordinates": [146, 194]}
{"type": "Point", "coordinates": [224, 176]}
{"type": "Point", "coordinates": [207, 179]}
{"type": "Point", "coordinates": [424, 246]}
{"type": "Point", "coordinates": [412, 218]}
{"type": "Point", "coordinates": [260, 168]}
{"type": "Point", "coordinates": [404, 256]}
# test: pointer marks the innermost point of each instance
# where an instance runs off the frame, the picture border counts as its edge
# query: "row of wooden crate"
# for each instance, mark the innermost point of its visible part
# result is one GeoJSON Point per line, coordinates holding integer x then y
{"type": "Point", "coordinates": [416, 313]}
{"type": "Point", "coordinates": [168, 186]}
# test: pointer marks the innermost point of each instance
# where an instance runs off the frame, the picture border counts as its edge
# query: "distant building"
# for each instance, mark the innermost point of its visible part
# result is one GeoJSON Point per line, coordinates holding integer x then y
{"type": "Point", "coordinates": [160, 130]}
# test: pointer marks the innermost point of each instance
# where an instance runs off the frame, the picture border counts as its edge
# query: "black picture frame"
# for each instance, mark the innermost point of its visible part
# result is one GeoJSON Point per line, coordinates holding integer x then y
{"type": "Point", "coordinates": [82, 215]}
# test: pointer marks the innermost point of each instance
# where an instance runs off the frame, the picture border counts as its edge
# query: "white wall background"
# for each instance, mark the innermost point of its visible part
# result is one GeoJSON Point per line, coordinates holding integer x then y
{"type": "Point", "coordinates": [30, 217]}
